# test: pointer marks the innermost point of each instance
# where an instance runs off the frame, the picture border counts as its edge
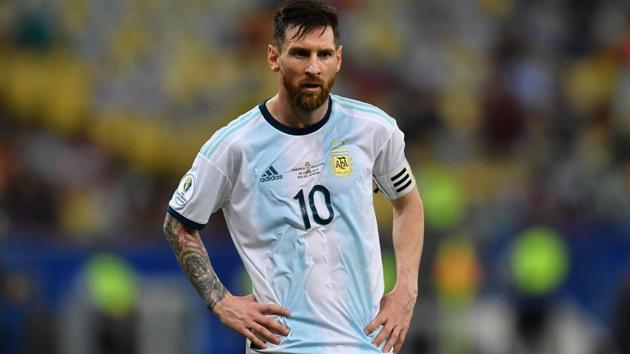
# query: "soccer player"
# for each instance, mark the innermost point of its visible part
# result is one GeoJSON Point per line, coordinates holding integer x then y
{"type": "Point", "coordinates": [293, 177]}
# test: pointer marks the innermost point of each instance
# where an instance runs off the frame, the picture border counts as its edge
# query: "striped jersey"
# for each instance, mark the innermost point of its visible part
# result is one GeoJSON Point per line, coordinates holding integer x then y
{"type": "Point", "coordinates": [298, 206]}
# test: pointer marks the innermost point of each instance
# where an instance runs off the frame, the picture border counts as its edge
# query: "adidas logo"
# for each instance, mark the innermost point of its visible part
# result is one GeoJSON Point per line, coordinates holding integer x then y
{"type": "Point", "coordinates": [270, 175]}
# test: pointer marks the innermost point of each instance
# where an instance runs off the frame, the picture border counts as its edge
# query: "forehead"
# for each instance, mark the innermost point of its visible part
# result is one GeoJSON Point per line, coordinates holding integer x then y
{"type": "Point", "coordinates": [319, 37]}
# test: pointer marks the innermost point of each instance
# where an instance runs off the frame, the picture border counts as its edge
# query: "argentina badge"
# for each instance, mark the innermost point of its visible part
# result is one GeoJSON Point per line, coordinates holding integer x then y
{"type": "Point", "coordinates": [341, 162]}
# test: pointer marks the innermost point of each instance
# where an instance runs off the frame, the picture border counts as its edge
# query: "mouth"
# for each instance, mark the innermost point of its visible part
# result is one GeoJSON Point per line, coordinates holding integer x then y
{"type": "Point", "coordinates": [311, 86]}
{"type": "Point", "coordinates": [311, 83]}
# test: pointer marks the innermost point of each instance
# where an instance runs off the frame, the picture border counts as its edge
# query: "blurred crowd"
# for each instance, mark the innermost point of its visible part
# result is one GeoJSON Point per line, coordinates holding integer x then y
{"type": "Point", "coordinates": [516, 115]}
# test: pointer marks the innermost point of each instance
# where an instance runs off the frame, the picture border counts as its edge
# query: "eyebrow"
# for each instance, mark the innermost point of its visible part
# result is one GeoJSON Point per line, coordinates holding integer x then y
{"type": "Point", "coordinates": [297, 50]}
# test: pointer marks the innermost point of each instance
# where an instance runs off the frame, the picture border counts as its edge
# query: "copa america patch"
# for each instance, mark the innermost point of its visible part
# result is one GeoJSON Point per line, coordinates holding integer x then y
{"type": "Point", "coordinates": [185, 190]}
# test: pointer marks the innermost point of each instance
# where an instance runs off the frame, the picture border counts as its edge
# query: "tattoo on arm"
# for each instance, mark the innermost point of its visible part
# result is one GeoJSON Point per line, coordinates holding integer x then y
{"type": "Point", "coordinates": [194, 260]}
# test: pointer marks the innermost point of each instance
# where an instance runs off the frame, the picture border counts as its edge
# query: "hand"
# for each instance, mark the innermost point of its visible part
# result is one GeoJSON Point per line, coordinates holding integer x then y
{"type": "Point", "coordinates": [247, 316]}
{"type": "Point", "coordinates": [394, 315]}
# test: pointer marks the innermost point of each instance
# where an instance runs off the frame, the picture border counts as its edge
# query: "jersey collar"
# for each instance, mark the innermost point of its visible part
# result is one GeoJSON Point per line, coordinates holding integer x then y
{"type": "Point", "coordinates": [295, 131]}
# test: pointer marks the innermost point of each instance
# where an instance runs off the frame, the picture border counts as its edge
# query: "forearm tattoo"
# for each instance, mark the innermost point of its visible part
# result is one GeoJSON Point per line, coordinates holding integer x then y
{"type": "Point", "coordinates": [194, 260]}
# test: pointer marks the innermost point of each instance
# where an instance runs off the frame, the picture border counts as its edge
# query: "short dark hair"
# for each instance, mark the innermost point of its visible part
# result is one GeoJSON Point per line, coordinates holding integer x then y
{"type": "Point", "coordinates": [305, 15]}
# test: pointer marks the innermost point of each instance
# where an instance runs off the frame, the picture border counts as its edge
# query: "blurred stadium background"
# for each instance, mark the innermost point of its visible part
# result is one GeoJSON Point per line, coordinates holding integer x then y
{"type": "Point", "coordinates": [517, 117]}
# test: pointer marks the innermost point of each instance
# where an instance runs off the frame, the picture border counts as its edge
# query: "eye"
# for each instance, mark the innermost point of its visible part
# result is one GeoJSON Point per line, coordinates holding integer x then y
{"type": "Point", "coordinates": [326, 54]}
{"type": "Point", "coordinates": [299, 53]}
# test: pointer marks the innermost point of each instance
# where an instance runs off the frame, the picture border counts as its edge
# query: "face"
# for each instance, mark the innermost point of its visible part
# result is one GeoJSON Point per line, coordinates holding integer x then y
{"type": "Point", "coordinates": [307, 65]}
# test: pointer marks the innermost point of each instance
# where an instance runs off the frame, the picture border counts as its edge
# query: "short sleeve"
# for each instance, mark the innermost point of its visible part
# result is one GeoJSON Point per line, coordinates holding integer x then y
{"type": "Point", "coordinates": [201, 192]}
{"type": "Point", "coordinates": [391, 171]}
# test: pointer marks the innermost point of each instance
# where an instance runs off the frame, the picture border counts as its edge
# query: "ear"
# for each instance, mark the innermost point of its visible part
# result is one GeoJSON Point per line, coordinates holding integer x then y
{"type": "Point", "coordinates": [272, 57]}
{"type": "Point", "coordinates": [339, 55]}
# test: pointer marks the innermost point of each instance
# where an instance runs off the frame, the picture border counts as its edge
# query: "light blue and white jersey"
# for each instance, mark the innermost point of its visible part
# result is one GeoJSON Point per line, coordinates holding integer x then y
{"type": "Point", "coordinates": [298, 205]}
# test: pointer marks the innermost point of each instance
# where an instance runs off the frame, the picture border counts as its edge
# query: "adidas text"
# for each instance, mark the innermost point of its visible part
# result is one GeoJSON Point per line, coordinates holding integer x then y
{"type": "Point", "coordinates": [270, 178]}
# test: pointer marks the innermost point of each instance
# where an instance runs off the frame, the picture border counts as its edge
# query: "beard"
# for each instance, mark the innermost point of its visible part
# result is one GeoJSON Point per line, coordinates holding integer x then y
{"type": "Point", "coordinates": [308, 101]}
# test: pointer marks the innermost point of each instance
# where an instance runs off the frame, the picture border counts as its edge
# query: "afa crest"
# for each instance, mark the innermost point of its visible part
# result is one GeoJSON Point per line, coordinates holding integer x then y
{"type": "Point", "coordinates": [341, 163]}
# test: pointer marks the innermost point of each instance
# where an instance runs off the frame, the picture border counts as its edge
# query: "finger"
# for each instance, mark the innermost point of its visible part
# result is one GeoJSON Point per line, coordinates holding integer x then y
{"type": "Point", "coordinates": [253, 338]}
{"type": "Point", "coordinates": [401, 340]}
{"type": "Point", "coordinates": [372, 326]}
{"type": "Point", "coordinates": [263, 331]}
{"type": "Point", "coordinates": [274, 309]}
{"type": "Point", "coordinates": [273, 325]}
{"type": "Point", "coordinates": [393, 339]}
{"type": "Point", "coordinates": [385, 332]}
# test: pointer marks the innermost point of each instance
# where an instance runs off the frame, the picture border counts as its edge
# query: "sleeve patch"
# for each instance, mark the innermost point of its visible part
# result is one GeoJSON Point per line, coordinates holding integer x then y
{"type": "Point", "coordinates": [185, 190]}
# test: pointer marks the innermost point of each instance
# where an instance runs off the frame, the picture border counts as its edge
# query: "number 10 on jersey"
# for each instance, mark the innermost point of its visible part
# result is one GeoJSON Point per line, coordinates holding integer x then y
{"type": "Point", "coordinates": [311, 203]}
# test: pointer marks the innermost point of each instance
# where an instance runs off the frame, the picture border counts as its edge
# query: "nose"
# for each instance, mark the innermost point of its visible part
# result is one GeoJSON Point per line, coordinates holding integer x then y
{"type": "Point", "coordinates": [313, 68]}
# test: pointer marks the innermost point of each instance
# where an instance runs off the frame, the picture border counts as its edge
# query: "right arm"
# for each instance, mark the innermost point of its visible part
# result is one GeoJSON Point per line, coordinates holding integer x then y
{"type": "Point", "coordinates": [193, 258]}
{"type": "Point", "coordinates": [242, 314]}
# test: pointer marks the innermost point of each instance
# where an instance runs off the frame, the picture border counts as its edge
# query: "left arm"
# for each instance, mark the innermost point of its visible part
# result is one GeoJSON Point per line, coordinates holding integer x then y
{"type": "Point", "coordinates": [397, 306]}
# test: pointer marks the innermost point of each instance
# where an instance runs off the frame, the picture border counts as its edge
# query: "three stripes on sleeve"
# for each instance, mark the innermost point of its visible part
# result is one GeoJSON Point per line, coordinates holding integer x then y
{"type": "Point", "coordinates": [397, 183]}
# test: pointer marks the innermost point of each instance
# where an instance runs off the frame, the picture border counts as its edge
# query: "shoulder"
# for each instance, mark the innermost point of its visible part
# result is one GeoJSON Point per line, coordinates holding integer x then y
{"type": "Point", "coordinates": [364, 112]}
{"type": "Point", "coordinates": [228, 137]}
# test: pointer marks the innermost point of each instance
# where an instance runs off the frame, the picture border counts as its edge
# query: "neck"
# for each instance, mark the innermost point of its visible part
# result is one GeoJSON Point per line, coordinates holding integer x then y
{"type": "Point", "coordinates": [285, 112]}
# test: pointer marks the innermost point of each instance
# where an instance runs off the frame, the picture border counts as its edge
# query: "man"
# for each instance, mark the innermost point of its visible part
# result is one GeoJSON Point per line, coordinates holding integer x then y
{"type": "Point", "coordinates": [293, 177]}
